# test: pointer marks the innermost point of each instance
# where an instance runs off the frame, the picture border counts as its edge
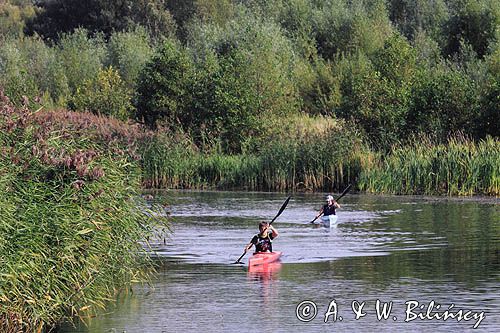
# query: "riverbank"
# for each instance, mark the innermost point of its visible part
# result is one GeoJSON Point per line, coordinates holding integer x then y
{"type": "Point", "coordinates": [71, 219]}
{"type": "Point", "coordinates": [307, 163]}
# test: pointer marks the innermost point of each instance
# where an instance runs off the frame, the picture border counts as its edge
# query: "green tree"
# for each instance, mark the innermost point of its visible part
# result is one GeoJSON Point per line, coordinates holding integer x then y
{"type": "Point", "coordinates": [15, 77]}
{"type": "Point", "coordinates": [81, 57]}
{"type": "Point", "coordinates": [13, 17]}
{"type": "Point", "coordinates": [411, 16]}
{"type": "Point", "coordinates": [348, 27]}
{"type": "Point", "coordinates": [377, 104]}
{"type": "Point", "coordinates": [107, 94]}
{"type": "Point", "coordinates": [164, 86]}
{"type": "Point", "coordinates": [396, 61]}
{"type": "Point", "coordinates": [473, 22]}
{"type": "Point", "coordinates": [64, 16]}
{"type": "Point", "coordinates": [443, 101]}
{"type": "Point", "coordinates": [129, 52]}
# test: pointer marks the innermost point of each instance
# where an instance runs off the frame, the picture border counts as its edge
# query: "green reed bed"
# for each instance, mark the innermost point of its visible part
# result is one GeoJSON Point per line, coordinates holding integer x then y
{"type": "Point", "coordinates": [460, 167]}
{"type": "Point", "coordinates": [177, 166]}
{"type": "Point", "coordinates": [70, 227]}
{"type": "Point", "coordinates": [328, 159]}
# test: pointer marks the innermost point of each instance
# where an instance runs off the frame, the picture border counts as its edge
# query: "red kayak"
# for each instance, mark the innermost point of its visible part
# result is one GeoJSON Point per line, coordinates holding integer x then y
{"type": "Point", "coordinates": [263, 258]}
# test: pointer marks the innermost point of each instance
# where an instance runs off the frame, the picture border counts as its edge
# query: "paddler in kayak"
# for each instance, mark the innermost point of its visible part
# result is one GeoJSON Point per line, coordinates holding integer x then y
{"type": "Point", "coordinates": [329, 208]}
{"type": "Point", "coordinates": [263, 240]}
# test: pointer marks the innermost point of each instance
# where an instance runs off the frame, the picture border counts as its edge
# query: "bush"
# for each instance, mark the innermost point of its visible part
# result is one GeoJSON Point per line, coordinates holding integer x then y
{"type": "Point", "coordinates": [473, 22]}
{"type": "Point", "coordinates": [251, 66]}
{"type": "Point", "coordinates": [374, 102]}
{"type": "Point", "coordinates": [414, 16]}
{"type": "Point", "coordinates": [82, 57]}
{"type": "Point", "coordinates": [15, 77]}
{"type": "Point", "coordinates": [319, 87]}
{"type": "Point", "coordinates": [349, 27]}
{"type": "Point", "coordinates": [65, 16]}
{"type": "Point", "coordinates": [129, 52]}
{"type": "Point", "coordinates": [443, 101]}
{"type": "Point", "coordinates": [13, 17]}
{"type": "Point", "coordinates": [164, 86]}
{"type": "Point", "coordinates": [107, 94]}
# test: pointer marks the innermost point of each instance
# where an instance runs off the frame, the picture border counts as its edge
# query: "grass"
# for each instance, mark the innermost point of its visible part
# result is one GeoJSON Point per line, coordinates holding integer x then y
{"type": "Point", "coordinates": [327, 158]}
{"type": "Point", "coordinates": [460, 167]}
{"type": "Point", "coordinates": [322, 156]}
{"type": "Point", "coordinates": [71, 229]}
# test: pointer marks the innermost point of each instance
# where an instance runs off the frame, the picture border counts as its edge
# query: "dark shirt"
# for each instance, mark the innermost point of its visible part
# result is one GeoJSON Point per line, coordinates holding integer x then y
{"type": "Point", "coordinates": [263, 244]}
{"type": "Point", "coordinates": [329, 210]}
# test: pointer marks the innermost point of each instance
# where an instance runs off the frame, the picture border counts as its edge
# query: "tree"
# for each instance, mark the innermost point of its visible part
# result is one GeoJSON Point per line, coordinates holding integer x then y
{"type": "Point", "coordinates": [473, 22]}
{"type": "Point", "coordinates": [373, 101]}
{"type": "Point", "coordinates": [443, 101]}
{"type": "Point", "coordinates": [107, 94]}
{"type": "Point", "coordinates": [60, 16]}
{"type": "Point", "coordinates": [164, 86]}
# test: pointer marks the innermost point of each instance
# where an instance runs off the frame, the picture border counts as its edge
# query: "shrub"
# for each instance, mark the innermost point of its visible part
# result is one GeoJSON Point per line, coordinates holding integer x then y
{"type": "Point", "coordinates": [64, 16]}
{"type": "Point", "coordinates": [15, 76]}
{"type": "Point", "coordinates": [82, 57]}
{"type": "Point", "coordinates": [13, 17]}
{"type": "Point", "coordinates": [374, 102]}
{"type": "Point", "coordinates": [473, 22]}
{"type": "Point", "coordinates": [414, 16]}
{"type": "Point", "coordinates": [164, 85]}
{"type": "Point", "coordinates": [107, 94]}
{"type": "Point", "coordinates": [443, 101]}
{"type": "Point", "coordinates": [349, 27]}
{"type": "Point", "coordinates": [129, 52]}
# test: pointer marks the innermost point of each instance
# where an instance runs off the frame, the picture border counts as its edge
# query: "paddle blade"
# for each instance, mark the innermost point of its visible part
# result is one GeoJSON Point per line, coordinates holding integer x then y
{"type": "Point", "coordinates": [238, 261]}
{"type": "Point", "coordinates": [281, 209]}
{"type": "Point", "coordinates": [344, 192]}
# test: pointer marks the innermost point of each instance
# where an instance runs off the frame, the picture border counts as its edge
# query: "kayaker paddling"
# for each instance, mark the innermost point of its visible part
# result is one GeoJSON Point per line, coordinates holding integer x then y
{"type": "Point", "coordinates": [329, 208]}
{"type": "Point", "coordinates": [263, 240]}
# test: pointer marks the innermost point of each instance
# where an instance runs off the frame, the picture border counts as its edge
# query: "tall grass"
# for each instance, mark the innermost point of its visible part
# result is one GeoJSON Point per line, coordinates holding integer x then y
{"type": "Point", "coordinates": [323, 155]}
{"type": "Point", "coordinates": [311, 155]}
{"type": "Point", "coordinates": [70, 226]}
{"type": "Point", "coordinates": [460, 167]}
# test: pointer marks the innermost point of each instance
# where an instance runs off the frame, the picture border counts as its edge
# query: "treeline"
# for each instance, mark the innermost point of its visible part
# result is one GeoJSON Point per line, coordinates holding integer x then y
{"type": "Point", "coordinates": [226, 71]}
{"type": "Point", "coordinates": [272, 95]}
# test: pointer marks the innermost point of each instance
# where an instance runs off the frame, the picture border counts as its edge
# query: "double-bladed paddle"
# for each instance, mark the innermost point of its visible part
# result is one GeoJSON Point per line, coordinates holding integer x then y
{"type": "Point", "coordinates": [279, 213]}
{"type": "Point", "coordinates": [340, 196]}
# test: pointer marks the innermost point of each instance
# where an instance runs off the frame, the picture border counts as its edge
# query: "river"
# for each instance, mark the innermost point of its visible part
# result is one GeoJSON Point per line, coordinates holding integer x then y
{"type": "Point", "coordinates": [433, 262]}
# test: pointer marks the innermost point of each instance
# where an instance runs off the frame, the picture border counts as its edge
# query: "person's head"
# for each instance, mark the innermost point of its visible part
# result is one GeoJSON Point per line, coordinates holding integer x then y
{"type": "Point", "coordinates": [329, 199]}
{"type": "Point", "coordinates": [263, 226]}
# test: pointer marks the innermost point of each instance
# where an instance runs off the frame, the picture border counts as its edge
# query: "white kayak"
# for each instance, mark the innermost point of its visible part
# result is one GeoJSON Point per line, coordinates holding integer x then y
{"type": "Point", "coordinates": [329, 221]}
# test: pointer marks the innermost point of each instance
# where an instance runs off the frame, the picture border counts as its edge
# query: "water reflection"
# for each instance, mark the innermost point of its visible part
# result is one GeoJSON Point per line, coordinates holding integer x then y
{"type": "Point", "coordinates": [266, 277]}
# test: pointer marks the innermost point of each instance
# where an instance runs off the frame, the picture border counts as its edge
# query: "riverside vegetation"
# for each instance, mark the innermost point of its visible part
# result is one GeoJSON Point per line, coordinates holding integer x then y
{"type": "Point", "coordinates": [72, 226]}
{"type": "Point", "coordinates": [101, 99]}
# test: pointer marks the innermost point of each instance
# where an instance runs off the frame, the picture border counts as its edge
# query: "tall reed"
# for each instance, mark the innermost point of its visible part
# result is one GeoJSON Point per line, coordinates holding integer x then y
{"type": "Point", "coordinates": [71, 226]}
{"type": "Point", "coordinates": [460, 167]}
{"type": "Point", "coordinates": [322, 156]}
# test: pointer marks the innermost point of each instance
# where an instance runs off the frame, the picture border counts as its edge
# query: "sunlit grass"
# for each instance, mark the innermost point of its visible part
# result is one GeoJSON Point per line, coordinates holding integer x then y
{"type": "Point", "coordinates": [71, 222]}
{"type": "Point", "coordinates": [461, 167]}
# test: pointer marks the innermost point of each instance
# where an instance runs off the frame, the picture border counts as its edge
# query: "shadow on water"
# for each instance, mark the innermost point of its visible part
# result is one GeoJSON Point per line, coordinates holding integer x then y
{"type": "Point", "coordinates": [393, 249]}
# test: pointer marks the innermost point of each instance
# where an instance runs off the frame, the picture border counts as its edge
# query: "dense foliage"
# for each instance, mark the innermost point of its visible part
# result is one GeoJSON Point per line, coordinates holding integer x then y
{"type": "Point", "coordinates": [72, 226]}
{"type": "Point", "coordinates": [224, 70]}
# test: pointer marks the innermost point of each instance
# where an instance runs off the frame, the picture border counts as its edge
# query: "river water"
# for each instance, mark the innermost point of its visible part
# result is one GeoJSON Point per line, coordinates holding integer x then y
{"type": "Point", "coordinates": [426, 257]}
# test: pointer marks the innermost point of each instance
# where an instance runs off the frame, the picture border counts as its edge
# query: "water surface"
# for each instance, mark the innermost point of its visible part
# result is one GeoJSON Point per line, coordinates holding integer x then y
{"type": "Point", "coordinates": [385, 248]}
